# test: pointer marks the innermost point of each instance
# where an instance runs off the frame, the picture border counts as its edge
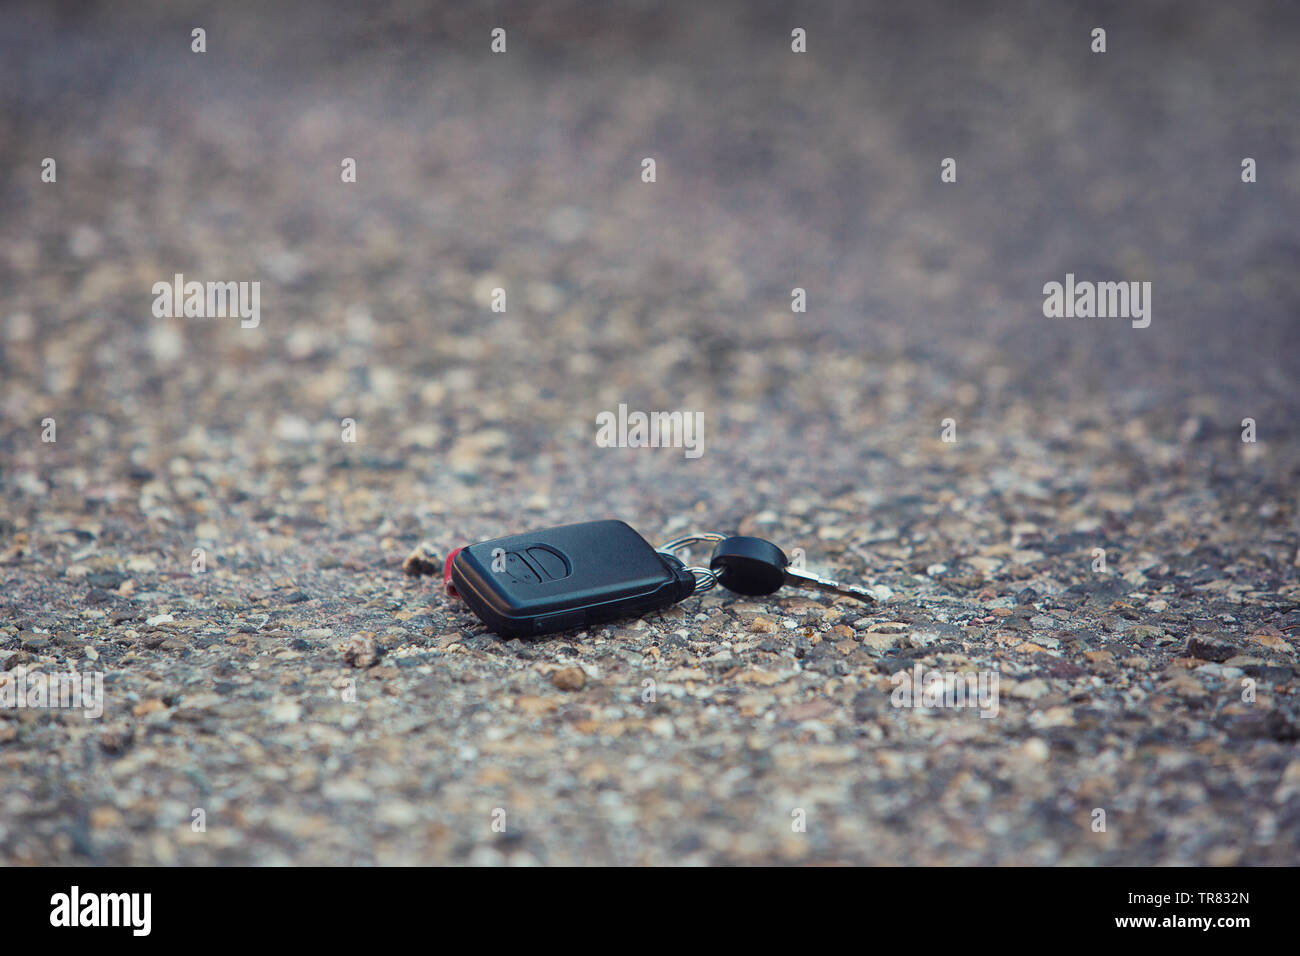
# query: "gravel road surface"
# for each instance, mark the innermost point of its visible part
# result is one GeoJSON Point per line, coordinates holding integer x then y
{"type": "Point", "coordinates": [1095, 532]}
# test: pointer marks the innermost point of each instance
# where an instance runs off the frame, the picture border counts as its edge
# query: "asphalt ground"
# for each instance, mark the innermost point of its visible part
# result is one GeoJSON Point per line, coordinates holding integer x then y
{"type": "Point", "coordinates": [318, 705]}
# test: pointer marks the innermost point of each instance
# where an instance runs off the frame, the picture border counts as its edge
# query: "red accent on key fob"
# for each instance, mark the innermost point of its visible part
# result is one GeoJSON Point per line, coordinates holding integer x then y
{"type": "Point", "coordinates": [446, 571]}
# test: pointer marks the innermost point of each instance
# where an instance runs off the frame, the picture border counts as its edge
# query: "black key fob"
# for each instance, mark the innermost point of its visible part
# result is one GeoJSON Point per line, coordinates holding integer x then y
{"type": "Point", "coordinates": [569, 577]}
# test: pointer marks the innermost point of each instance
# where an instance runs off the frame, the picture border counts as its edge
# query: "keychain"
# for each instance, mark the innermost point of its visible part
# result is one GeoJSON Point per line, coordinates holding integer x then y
{"type": "Point", "coordinates": [579, 575]}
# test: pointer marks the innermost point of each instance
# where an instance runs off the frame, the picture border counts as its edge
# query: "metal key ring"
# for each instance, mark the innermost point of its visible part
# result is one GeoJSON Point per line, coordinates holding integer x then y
{"type": "Point", "coordinates": [705, 578]}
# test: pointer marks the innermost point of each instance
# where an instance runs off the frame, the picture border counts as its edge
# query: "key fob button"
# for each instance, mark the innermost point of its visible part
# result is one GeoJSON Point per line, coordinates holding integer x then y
{"type": "Point", "coordinates": [520, 571]}
{"type": "Point", "coordinates": [549, 562]}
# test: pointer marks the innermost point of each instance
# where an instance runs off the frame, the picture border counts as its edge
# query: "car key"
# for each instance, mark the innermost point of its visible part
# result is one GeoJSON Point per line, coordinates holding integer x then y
{"type": "Point", "coordinates": [578, 575]}
{"type": "Point", "coordinates": [755, 566]}
{"type": "Point", "coordinates": [569, 577]}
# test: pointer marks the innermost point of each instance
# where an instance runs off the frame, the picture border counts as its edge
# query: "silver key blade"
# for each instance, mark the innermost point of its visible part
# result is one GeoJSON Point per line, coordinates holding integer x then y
{"type": "Point", "coordinates": [803, 578]}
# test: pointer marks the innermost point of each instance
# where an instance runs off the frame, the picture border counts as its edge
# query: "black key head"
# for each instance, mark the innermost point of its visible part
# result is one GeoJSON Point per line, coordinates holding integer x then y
{"type": "Point", "coordinates": [748, 565]}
